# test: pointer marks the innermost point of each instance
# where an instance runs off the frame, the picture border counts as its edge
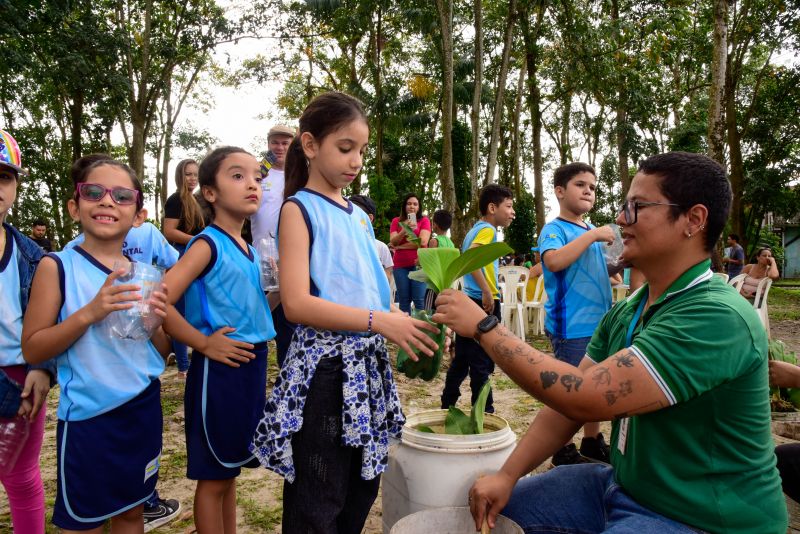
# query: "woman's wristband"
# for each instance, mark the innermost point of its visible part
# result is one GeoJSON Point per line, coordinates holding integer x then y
{"type": "Point", "coordinates": [369, 324]}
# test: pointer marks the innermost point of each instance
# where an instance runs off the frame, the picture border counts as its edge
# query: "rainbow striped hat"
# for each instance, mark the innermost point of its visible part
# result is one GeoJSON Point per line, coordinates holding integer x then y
{"type": "Point", "coordinates": [9, 153]}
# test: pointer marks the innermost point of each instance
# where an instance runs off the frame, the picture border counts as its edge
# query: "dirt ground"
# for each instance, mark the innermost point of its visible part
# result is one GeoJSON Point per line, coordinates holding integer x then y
{"type": "Point", "coordinates": [259, 490]}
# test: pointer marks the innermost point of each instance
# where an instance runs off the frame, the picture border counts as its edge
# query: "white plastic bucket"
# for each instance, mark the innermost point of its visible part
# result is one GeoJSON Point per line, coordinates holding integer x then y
{"type": "Point", "coordinates": [456, 520]}
{"type": "Point", "coordinates": [437, 470]}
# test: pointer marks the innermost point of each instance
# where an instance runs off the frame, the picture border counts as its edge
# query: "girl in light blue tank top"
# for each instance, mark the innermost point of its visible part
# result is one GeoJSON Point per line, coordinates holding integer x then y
{"type": "Point", "coordinates": [334, 405]}
{"type": "Point", "coordinates": [227, 323]}
{"type": "Point", "coordinates": [109, 413]}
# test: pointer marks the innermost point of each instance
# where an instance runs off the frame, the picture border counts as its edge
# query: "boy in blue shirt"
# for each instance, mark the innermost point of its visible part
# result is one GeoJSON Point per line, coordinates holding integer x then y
{"type": "Point", "coordinates": [577, 286]}
{"type": "Point", "coordinates": [497, 210]}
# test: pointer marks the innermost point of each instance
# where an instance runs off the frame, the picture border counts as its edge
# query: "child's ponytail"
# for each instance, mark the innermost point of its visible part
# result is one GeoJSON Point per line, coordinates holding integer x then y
{"type": "Point", "coordinates": [296, 173]}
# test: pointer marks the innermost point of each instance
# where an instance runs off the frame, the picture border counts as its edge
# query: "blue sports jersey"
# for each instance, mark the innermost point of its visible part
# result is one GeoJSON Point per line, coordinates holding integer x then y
{"type": "Point", "coordinates": [471, 287]}
{"type": "Point", "coordinates": [228, 292]}
{"type": "Point", "coordinates": [578, 296]}
{"type": "Point", "coordinates": [343, 265]}
{"type": "Point", "coordinates": [11, 309]}
{"type": "Point", "coordinates": [99, 371]}
{"type": "Point", "coordinates": [144, 244]}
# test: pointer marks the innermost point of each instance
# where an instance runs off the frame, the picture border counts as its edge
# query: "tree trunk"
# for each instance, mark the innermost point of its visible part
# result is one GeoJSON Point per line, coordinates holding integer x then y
{"type": "Point", "coordinates": [76, 123]}
{"type": "Point", "coordinates": [564, 147]}
{"type": "Point", "coordinates": [491, 164]}
{"type": "Point", "coordinates": [621, 132]}
{"type": "Point", "coordinates": [736, 161]}
{"type": "Point", "coordinates": [475, 114]}
{"type": "Point", "coordinates": [517, 134]}
{"type": "Point", "coordinates": [378, 103]}
{"type": "Point", "coordinates": [716, 93]}
{"type": "Point", "coordinates": [445, 10]}
{"type": "Point", "coordinates": [530, 36]}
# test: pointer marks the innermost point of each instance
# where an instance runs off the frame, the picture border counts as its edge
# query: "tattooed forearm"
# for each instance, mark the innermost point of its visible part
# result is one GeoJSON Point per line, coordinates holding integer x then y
{"type": "Point", "coordinates": [625, 359]}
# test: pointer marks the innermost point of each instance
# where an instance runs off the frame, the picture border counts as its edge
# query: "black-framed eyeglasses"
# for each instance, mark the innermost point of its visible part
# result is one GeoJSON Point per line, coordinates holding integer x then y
{"type": "Point", "coordinates": [630, 209]}
{"type": "Point", "coordinates": [95, 193]}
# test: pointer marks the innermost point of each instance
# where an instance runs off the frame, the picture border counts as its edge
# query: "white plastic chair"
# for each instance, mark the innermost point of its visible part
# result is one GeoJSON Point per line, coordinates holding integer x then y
{"type": "Point", "coordinates": [737, 281]}
{"type": "Point", "coordinates": [619, 292]}
{"type": "Point", "coordinates": [760, 299]}
{"type": "Point", "coordinates": [760, 302]}
{"type": "Point", "coordinates": [512, 314]}
{"type": "Point", "coordinates": [534, 308]}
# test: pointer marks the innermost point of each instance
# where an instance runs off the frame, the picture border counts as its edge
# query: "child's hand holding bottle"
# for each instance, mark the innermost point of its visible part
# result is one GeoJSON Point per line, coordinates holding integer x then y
{"type": "Point", "coordinates": [405, 331]}
{"type": "Point", "coordinates": [221, 348]}
{"type": "Point", "coordinates": [111, 298]}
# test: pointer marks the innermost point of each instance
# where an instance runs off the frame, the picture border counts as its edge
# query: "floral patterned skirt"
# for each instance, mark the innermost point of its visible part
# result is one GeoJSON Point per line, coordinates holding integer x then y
{"type": "Point", "coordinates": [371, 412]}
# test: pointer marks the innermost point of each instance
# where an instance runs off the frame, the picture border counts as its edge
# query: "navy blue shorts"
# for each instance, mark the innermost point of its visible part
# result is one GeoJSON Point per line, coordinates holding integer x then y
{"type": "Point", "coordinates": [223, 406]}
{"type": "Point", "coordinates": [108, 464]}
{"type": "Point", "coordinates": [571, 351]}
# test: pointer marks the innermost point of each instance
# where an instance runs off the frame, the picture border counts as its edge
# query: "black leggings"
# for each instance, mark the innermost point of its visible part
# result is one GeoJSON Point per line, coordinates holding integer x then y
{"type": "Point", "coordinates": [328, 494]}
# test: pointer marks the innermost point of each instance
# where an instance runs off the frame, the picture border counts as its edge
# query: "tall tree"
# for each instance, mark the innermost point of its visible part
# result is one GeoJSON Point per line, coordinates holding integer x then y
{"type": "Point", "coordinates": [500, 89]}
{"type": "Point", "coordinates": [716, 92]}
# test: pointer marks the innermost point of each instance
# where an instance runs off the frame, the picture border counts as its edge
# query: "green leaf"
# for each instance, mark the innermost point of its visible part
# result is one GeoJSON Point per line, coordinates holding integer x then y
{"type": "Point", "coordinates": [420, 276]}
{"type": "Point", "coordinates": [476, 415]}
{"type": "Point", "coordinates": [425, 428]}
{"type": "Point", "coordinates": [435, 262]}
{"type": "Point", "coordinates": [474, 259]}
{"type": "Point", "coordinates": [426, 367]}
{"type": "Point", "coordinates": [410, 235]}
{"type": "Point", "coordinates": [457, 422]}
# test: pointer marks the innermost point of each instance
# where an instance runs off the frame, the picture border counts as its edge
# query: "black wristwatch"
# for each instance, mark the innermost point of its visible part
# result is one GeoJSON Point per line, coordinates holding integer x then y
{"type": "Point", "coordinates": [487, 324]}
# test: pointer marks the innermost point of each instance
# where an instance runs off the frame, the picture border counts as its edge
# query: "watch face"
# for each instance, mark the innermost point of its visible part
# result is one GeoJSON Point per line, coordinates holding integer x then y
{"type": "Point", "coordinates": [488, 322]}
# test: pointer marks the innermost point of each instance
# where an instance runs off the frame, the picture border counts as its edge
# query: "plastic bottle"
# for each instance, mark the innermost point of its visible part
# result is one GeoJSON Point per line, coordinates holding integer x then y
{"type": "Point", "coordinates": [13, 436]}
{"type": "Point", "coordinates": [268, 253]}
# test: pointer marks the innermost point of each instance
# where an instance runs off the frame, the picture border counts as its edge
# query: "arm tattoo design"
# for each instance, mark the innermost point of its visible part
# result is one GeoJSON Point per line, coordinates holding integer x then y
{"type": "Point", "coordinates": [625, 359]}
{"type": "Point", "coordinates": [625, 389]}
{"type": "Point", "coordinates": [548, 378]}
{"type": "Point", "coordinates": [568, 381]}
{"type": "Point", "coordinates": [601, 377]}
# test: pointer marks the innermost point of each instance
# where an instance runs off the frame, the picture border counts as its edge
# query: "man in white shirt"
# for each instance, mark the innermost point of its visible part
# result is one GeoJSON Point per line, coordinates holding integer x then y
{"type": "Point", "coordinates": [384, 255]}
{"type": "Point", "coordinates": [265, 224]}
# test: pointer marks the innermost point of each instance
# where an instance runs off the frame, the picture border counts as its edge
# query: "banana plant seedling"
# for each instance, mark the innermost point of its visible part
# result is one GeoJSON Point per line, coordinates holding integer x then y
{"type": "Point", "coordinates": [441, 267]}
{"type": "Point", "coordinates": [458, 423]}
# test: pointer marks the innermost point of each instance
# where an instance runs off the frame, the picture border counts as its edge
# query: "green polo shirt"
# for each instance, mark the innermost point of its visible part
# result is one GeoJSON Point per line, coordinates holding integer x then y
{"type": "Point", "coordinates": [708, 459]}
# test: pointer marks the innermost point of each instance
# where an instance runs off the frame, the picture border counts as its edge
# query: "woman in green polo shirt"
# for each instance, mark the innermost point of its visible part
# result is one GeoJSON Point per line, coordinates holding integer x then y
{"type": "Point", "coordinates": [680, 367]}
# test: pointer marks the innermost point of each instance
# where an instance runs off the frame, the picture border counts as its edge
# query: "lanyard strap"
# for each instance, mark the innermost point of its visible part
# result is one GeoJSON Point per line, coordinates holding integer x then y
{"type": "Point", "coordinates": [635, 320]}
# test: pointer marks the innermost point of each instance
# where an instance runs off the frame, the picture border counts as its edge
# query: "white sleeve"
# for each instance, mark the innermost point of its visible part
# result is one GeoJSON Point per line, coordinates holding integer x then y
{"type": "Point", "coordinates": [384, 254]}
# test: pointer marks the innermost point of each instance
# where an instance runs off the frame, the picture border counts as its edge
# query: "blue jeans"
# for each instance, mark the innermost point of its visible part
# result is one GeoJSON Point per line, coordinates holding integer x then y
{"type": "Point", "coordinates": [408, 290]}
{"type": "Point", "coordinates": [580, 499]}
{"type": "Point", "coordinates": [571, 351]}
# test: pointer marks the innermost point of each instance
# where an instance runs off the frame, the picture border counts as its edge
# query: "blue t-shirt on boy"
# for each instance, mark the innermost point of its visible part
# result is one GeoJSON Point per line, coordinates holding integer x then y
{"type": "Point", "coordinates": [578, 296]}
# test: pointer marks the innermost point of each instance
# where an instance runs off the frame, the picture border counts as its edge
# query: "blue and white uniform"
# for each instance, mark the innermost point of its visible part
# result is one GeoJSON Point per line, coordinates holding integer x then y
{"type": "Point", "coordinates": [580, 295]}
{"type": "Point", "coordinates": [11, 310]}
{"type": "Point", "coordinates": [145, 244]}
{"type": "Point", "coordinates": [223, 404]}
{"type": "Point", "coordinates": [344, 268]}
{"type": "Point", "coordinates": [110, 423]}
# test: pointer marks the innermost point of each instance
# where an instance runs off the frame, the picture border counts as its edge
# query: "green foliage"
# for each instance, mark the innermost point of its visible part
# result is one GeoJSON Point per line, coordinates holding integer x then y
{"type": "Point", "coordinates": [783, 399]}
{"type": "Point", "coordinates": [441, 267]}
{"type": "Point", "coordinates": [520, 234]}
{"type": "Point", "coordinates": [460, 424]}
{"type": "Point", "coordinates": [426, 367]}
